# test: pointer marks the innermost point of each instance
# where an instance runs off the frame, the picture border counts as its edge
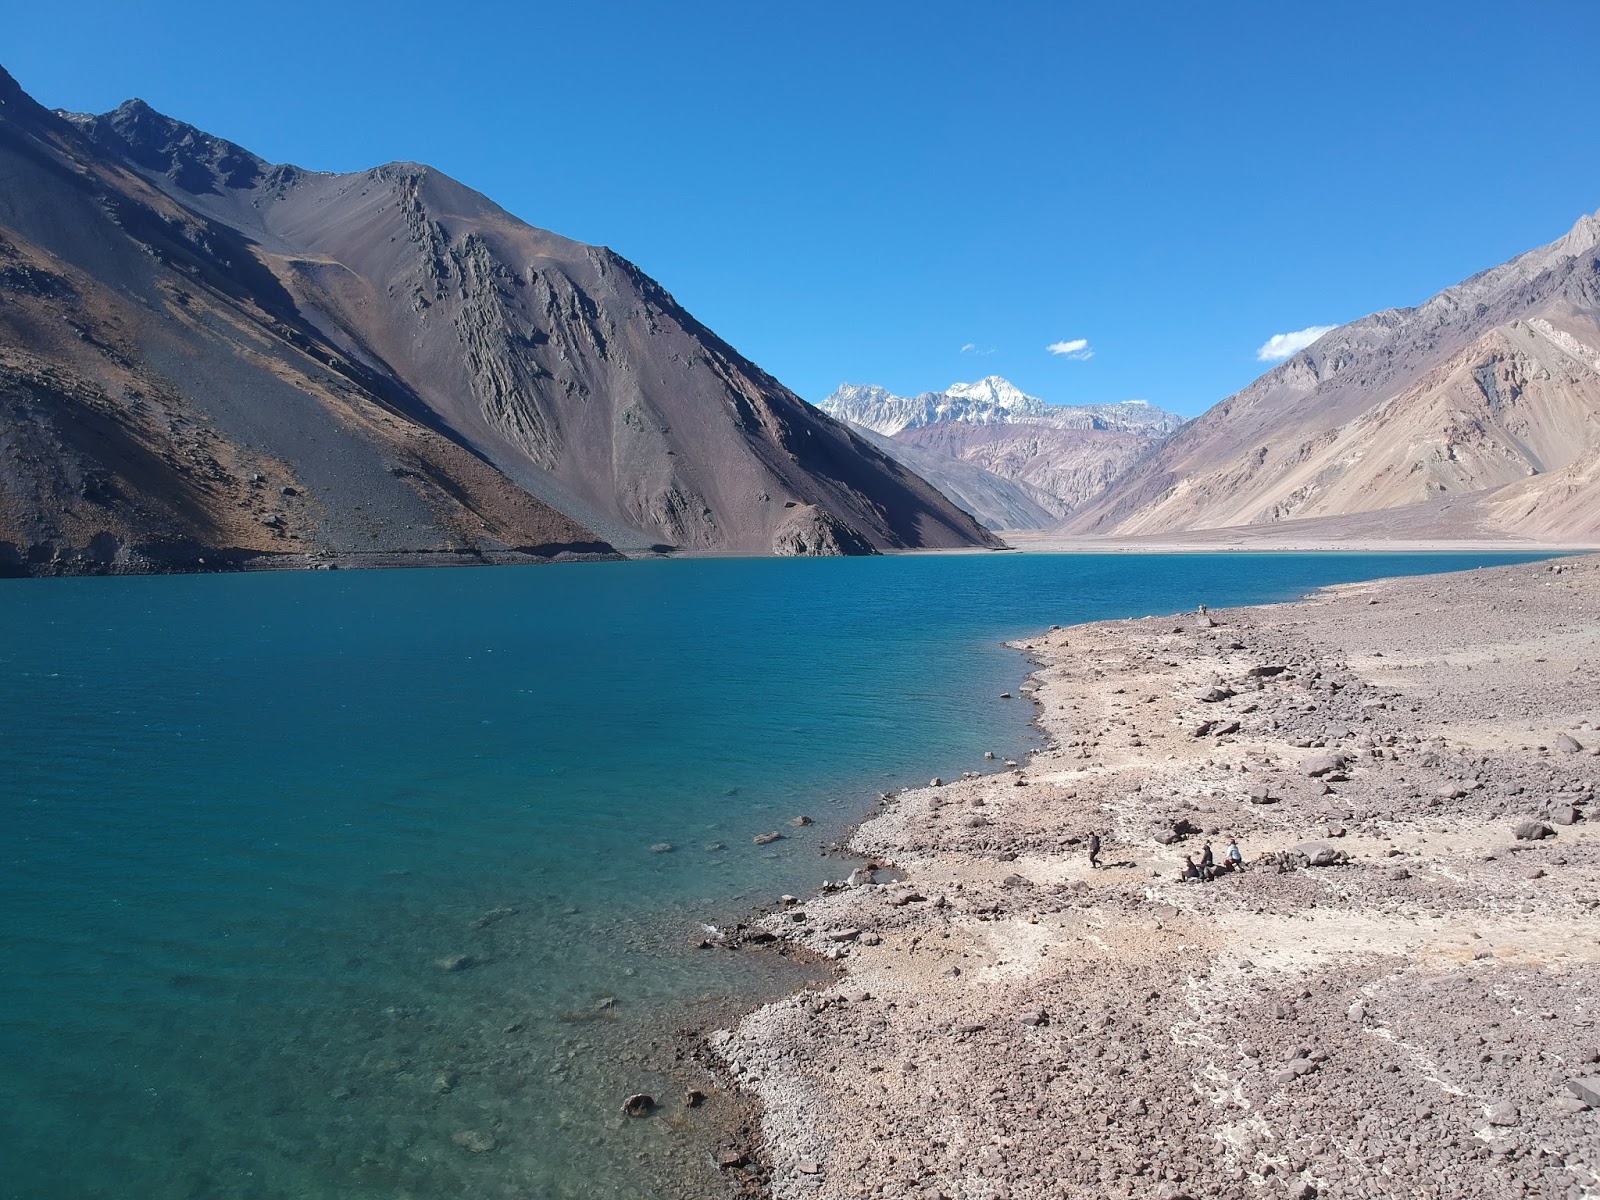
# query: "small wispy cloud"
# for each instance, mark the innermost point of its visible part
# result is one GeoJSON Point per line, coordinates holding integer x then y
{"type": "Point", "coordinates": [1281, 345]}
{"type": "Point", "coordinates": [974, 348]}
{"type": "Point", "coordinates": [1077, 348]}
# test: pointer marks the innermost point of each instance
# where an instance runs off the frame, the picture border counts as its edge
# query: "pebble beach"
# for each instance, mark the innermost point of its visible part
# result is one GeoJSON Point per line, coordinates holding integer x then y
{"type": "Point", "coordinates": [1398, 995]}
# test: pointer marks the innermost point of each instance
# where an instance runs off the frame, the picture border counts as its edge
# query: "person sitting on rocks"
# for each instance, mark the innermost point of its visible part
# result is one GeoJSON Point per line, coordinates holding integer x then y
{"type": "Point", "coordinates": [1207, 859]}
{"type": "Point", "coordinates": [1235, 859]}
{"type": "Point", "coordinates": [1094, 849]}
{"type": "Point", "coordinates": [1191, 873]}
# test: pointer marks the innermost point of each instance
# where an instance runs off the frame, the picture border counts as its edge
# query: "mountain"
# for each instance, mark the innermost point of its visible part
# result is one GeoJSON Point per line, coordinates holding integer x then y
{"type": "Point", "coordinates": [206, 356]}
{"type": "Point", "coordinates": [1474, 414]}
{"type": "Point", "coordinates": [997, 502]}
{"type": "Point", "coordinates": [1039, 461]}
{"type": "Point", "coordinates": [990, 401]}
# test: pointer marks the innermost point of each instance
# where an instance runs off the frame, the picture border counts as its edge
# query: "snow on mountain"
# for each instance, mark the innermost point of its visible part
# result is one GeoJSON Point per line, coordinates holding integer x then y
{"type": "Point", "coordinates": [990, 401]}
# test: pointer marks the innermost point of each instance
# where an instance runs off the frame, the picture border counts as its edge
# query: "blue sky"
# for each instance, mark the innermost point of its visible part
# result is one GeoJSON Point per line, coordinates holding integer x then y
{"type": "Point", "coordinates": [858, 191]}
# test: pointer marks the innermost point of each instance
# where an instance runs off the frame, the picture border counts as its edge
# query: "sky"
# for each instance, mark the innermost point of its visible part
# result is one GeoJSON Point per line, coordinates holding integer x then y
{"type": "Point", "coordinates": [1099, 202]}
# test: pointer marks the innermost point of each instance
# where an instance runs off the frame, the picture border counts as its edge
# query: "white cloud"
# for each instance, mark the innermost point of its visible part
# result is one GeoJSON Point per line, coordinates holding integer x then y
{"type": "Point", "coordinates": [974, 348]}
{"type": "Point", "coordinates": [1282, 345]}
{"type": "Point", "coordinates": [1077, 348]}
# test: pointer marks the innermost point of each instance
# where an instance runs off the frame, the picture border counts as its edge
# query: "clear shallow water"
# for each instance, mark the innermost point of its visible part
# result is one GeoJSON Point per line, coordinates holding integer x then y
{"type": "Point", "coordinates": [245, 815]}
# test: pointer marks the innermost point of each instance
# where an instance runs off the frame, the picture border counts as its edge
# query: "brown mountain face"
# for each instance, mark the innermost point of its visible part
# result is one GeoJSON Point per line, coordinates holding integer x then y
{"type": "Point", "coordinates": [206, 356]}
{"type": "Point", "coordinates": [1476, 414]}
{"type": "Point", "coordinates": [1063, 468]}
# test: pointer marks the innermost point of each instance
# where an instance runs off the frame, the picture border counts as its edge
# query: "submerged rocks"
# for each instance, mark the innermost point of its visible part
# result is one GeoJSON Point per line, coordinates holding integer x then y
{"type": "Point", "coordinates": [766, 839]}
{"type": "Point", "coordinates": [455, 962]}
{"type": "Point", "coordinates": [640, 1104]}
{"type": "Point", "coordinates": [474, 1141]}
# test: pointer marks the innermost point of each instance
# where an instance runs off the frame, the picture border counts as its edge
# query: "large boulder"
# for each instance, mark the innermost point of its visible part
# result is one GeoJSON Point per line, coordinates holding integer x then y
{"type": "Point", "coordinates": [1319, 765]}
{"type": "Point", "coordinates": [1320, 854]}
{"type": "Point", "coordinates": [1533, 831]}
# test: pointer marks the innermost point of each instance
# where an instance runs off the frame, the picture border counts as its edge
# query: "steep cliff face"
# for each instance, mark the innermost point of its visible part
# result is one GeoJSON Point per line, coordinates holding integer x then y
{"type": "Point", "coordinates": [1476, 413]}
{"type": "Point", "coordinates": [423, 371]}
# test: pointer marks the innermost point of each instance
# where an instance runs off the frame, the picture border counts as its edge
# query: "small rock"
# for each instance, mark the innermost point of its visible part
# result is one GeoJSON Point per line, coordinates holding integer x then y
{"type": "Point", "coordinates": [842, 935]}
{"type": "Point", "coordinates": [935, 782]}
{"type": "Point", "coordinates": [807, 1166]}
{"type": "Point", "coordinates": [638, 1105]}
{"type": "Point", "coordinates": [1533, 831]}
{"type": "Point", "coordinates": [801, 820]}
{"type": "Point", "coordinates": [729, 1159]}
{"type": "Point", "coordinates": [1586, 1089]}
{"type": "Point", "coordinates": [766, 839]}
{"type": "Point", "coordinates": [454, 962]}
{"type": "Point", "coordinates": [1568, 744]}
{"type": "Point", "coordinates": [1502, 1112]}
{"type": "Point", "coordinates": [445, 1081]}
{"type": "Point", "coordinates": [693, 1098]}
{"type": "Point", "coordinates": [1565, 814]}
{"type": "Point", "coordinates": [661, 848]}
{"type": "Point", "coordinates": [475, 1141]}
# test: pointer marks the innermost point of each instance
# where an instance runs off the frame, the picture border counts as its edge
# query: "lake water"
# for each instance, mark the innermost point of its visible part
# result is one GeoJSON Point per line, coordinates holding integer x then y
{"type": "Point", "coordinates": [246, 816]}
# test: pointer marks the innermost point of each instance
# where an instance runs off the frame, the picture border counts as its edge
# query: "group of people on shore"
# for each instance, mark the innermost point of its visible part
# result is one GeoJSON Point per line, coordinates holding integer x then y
{"type": "Point", "coordinates": [1208, 868]}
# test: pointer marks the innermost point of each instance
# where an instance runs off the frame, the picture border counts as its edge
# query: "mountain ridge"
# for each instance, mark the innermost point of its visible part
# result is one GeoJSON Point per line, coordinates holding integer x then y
{"type": "Point", "coordinates": [1017, 461]}
{"type": "Point", "coordinates": [406, 356]}
{"type": "Point", "coordinates": [1485, 396]}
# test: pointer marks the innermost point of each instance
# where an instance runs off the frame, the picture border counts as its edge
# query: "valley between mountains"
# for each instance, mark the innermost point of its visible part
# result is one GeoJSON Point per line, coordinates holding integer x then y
{"type": "Point", "coordinates": [210, 361]}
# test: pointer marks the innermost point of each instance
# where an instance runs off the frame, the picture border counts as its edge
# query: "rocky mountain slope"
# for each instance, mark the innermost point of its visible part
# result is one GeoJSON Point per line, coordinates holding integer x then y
{"type": "Point", "coordinates": [999, 503]}
{"type": "Point", "coordinates": [1055, 457]}
{"type": "Point", "coordinates": [1475, 414]}
{"type": "Point", "coordinates": [205, 357]}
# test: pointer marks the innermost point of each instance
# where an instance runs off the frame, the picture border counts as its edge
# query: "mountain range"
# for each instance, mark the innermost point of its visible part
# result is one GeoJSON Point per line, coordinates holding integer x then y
{"type": "Point", "coordinates": [207, 359]}
{"type": "Point", "coordinates": [1475, 414]}
{"type": "Point", "coordinates": [1014, 460]}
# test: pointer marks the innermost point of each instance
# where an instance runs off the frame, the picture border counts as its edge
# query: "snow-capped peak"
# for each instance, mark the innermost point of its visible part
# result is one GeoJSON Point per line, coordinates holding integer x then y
{"type": "Point", "coordinates": [1001, 393]}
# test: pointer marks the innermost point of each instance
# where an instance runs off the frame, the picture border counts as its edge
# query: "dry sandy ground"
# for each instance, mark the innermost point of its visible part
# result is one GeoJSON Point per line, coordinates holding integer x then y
{"type": "Point", "coordinates": [1013, 1023]}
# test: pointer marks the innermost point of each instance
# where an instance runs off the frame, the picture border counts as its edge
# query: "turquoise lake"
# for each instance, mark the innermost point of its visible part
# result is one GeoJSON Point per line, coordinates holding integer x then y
{"type": "Point", "coordinates": [246, 816]}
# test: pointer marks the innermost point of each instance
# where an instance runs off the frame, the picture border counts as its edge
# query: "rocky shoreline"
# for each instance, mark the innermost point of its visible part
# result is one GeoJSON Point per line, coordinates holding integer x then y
{"type": "Point", "coordinates": [1397, 996]}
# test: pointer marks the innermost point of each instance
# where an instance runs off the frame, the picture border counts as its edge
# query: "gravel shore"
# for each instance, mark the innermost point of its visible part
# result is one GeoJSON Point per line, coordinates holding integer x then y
{"type": "Point", "coordinates": [1398, 996]}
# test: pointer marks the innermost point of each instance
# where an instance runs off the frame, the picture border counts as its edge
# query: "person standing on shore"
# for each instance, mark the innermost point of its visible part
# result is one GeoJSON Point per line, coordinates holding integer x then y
{"type": "Point", "coordinates": [1094, 849]}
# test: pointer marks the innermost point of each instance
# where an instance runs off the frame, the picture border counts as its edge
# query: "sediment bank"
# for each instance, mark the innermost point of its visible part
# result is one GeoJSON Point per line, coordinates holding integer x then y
{"type": "Point", "coordinates": [1417, 1017]}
